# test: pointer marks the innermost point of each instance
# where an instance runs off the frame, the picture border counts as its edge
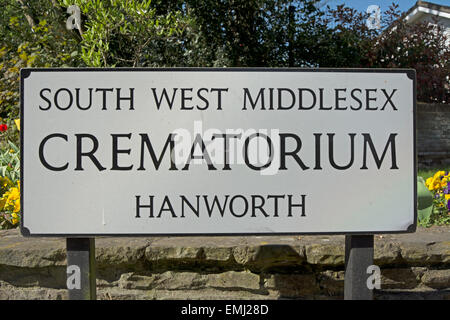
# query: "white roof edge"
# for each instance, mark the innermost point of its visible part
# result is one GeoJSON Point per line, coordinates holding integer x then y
{"type": "Point", "coordinates": [416, 13]}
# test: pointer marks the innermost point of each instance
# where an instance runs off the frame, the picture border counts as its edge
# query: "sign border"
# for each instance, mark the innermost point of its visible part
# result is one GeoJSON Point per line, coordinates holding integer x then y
{"type": "Point", "coordinates": [26, 72]}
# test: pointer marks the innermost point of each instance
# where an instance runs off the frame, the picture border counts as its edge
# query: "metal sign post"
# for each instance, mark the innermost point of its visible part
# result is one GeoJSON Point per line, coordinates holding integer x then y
{"type": "Point", "coordinates": [81, 268]}
{"type": "Point", "coordinates": [81, 273]}
{"type": "Point", "coordinates": [358, 257]}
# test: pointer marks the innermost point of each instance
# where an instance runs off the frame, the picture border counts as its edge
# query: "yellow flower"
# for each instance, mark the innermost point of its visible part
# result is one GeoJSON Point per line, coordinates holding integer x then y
{"type": "Point", "coordinates": [11, 199]}
{"type": "Point", "coordinates": [16, 207]}
{"type": "Point", "coordinates": [23, 56]}
{"type": "Point", "coordinates": [439, 174]}
{"type": "Point", "coordinates": [17, 121]}
{"type": "Point", "coordinates": [437, 182]}
{"type": "Point", "coordinates": [13, 194]}
{"type": "Point", "coordinates": [15, 218]}
{"type": "Point", "coordinates": [429, 184]}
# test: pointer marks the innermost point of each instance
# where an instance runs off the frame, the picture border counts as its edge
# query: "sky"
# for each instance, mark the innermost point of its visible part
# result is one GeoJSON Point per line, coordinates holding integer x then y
{"type": "Point", "coordinates": [361, 5]}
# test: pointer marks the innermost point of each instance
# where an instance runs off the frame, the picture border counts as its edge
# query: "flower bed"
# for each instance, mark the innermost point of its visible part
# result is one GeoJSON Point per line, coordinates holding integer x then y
{"type": "Point", "coordinates": [9, 182]}
{"type": "Point", "coordinates": [439, 212]}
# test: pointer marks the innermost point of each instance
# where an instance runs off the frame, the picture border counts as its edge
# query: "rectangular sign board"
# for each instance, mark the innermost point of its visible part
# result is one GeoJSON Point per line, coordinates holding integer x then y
{"type": "Point", "coordinates": [217, 151]}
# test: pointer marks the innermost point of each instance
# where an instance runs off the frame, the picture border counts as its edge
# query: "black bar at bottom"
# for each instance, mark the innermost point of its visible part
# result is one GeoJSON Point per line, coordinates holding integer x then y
{"type": "Point", "coordinates": [81, 282]}
{"type": "Point", "coordinates": [358, 257]}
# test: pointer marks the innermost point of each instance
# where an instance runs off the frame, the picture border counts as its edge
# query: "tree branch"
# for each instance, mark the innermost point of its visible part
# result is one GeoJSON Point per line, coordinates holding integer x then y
{"type": "Point", "coordinates": [62, 14]}
{"type": "Point", "coordinates": [27, 13]}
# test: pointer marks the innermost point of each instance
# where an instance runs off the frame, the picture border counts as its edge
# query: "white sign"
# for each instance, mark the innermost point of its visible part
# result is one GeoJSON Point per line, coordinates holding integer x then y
{"type": "Point", "coordinates": [217, 151]}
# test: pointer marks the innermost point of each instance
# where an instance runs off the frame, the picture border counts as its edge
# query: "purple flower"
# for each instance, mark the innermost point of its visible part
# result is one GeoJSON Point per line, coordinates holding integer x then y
{"type": "Point", "coordinates": [446, 190]}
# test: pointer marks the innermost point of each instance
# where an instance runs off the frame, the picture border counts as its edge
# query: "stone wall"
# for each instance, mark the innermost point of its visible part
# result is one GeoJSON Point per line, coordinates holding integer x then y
{"type": "Point", "coordinates": [414, 266]}
{"type": "Point", "coordinates": [433, 134]}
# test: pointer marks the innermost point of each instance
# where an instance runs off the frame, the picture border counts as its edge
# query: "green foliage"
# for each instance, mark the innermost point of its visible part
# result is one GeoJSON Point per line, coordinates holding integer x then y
{"type": "Point", "coordinates": [242, 33]}
{"type": "Point", "coordinates": [214, 33]}
{"type": "Point", "coordinates": [424, 203]}
{"type": "Point", "coordinates": [224, 33]}
{"type": "Point", "coordinates": [10, 162]}
{"type": "Point", "coordinates": [440, 215]}
{"type": "Point", "coordinates": [32, 36]}
{"type": "Point", "coordinates": [130, 33]}
{"type": "Point", "coordinates": [335, 38]}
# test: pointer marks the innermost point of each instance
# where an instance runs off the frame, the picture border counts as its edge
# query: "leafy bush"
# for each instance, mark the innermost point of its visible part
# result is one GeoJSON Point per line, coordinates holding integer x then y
{"type": "Point", "coordinates": [130, 33]}
{"type": "Point", "coordinates": [32, 37]}
{"type": "Point", "coordinates": [340, 38]}
{"type": "Point", "coordinates": [10, 162]}
{"type": "Point", "coordinates": [422, 46]}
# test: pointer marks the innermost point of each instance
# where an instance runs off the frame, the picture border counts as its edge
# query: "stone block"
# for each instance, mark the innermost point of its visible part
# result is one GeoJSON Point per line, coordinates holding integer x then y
{"type": "Point", "coordinates": [331, 282]}
{"type": "Point", "coordinates": [399, 278]}
{"type": "Point", "coordinates": [269, 257]}
{"type": "Point", "coordinates": [437, 279]}
{"type": "Point", "coordinates": [326, 254]}
{"type": "Point", "coordinates": [293, 286]}
{"type": "Point", "coordinates": [386, 253]}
